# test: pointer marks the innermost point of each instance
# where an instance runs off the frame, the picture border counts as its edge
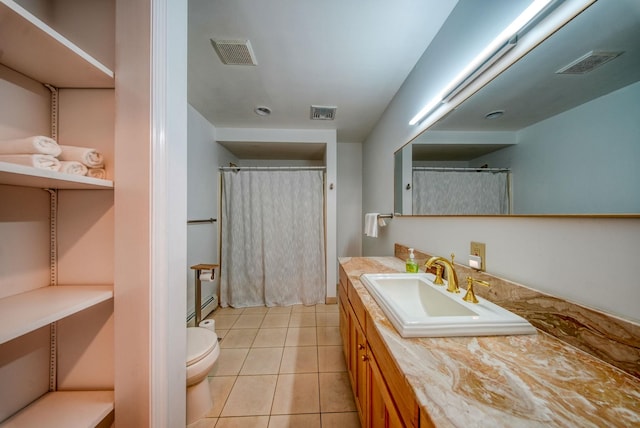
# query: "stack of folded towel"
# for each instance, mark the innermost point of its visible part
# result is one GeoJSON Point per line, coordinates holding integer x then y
{"type": "Point", "coordinates": [45, 153]}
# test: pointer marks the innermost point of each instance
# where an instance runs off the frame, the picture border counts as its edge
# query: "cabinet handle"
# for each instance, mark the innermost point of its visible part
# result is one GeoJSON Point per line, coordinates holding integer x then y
{"type": "Point", "coordinates": [360, 346]}
{"type": "Point", "coordinates": [365, 358]}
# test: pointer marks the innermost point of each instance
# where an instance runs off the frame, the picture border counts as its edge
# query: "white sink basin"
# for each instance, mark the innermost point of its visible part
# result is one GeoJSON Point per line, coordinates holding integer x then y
{"type": "Point", "coordinates": [418, 308]}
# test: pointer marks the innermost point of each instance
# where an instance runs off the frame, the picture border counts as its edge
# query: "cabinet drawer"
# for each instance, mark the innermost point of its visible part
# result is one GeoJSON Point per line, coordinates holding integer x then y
{"type": "Point", "coordinates": [357, 305]}
{"type": "Point", "coordinates": [344, 279]}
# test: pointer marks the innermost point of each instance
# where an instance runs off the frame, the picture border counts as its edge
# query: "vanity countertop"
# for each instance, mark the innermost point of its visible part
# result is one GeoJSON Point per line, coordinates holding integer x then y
{"type": "Point", "coordinates": [502, 381]}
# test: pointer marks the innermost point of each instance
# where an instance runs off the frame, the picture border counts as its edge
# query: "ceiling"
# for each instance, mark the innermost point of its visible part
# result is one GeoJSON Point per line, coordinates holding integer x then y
{"type": "Point", "coordinates": [353, 55]}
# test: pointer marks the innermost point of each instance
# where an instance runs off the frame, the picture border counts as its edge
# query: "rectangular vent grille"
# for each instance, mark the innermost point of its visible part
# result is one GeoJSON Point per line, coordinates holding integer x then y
{"type": "Point", "coordinates": [234, 52]}
{"type": "Point", "coordinates": [588, 62]}
{"type": "Point", "coordinates": [323, 112]}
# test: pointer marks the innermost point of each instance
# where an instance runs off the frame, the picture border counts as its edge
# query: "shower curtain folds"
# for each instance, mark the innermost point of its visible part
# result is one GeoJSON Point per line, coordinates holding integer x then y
{"type": "Point", "coordinates": [273, 250]}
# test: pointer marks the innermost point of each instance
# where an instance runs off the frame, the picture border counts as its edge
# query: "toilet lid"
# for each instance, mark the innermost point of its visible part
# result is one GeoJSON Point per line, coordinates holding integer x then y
{"type": "Point", "coordinates": [200, 342]}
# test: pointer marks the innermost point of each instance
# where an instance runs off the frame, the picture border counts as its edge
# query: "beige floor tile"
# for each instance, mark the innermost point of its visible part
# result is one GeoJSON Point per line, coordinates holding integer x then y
{"type": "Point", "coordinates": [327, 319]}
{"type": "Point", "coordinates": [248, 321]}
{"type": "Point", "coordinates": [296, 393]}
{"type": "Point", "coordinates": [270, 338]}
{"type": "Point", "coordinates": [299, 359]}
{"type": "Point", "coordinates": [253, 310]}
{"type": "Point", "coordinates": [228, 311]}
{"type": "Point", "coordinates": [250, 396]}
{"type": "Point", "coordinates": [303, 308]}
{"type": "Point", "coordinates": [262, 361]}
{"type": "Point", "coordinates": [327, 308]}
{"type": "Point", "coordinates": [331, 359]}
{"type": "Point", "coordinates": [342, 420]}
{"type": "Point", "coordinates": [280, 310]}
{"type": "Point", "coordinates": [221, 333]}
{"type": "Point", "coordinates": [296, 421]}
{"type": "Point", "coordinates": [275, 320]}
{"type": "Point", "coordinates": [204, 423]}
{"type": "Point", "coordinates": [240, 338]}
{"type": "Point", "coordinates": [244, 422]}
{"type": "Point", "coordinates": [224, 322]}
{"type": "Point", "coordinates": [229, 362]}
{"type": "Point", "coordinates": [302, 336]}
{"type": "Point", "coordinates": [329, 336]}
{"type": "Point", "coordinates": [220, 388]}
{"type": "Point", "coordinates": [335, 393]}
{"type": "Point", "coordinates": [303, 319]}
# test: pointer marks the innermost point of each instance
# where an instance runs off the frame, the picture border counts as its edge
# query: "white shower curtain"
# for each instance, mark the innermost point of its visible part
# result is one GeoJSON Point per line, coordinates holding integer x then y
{"type": "Point", "coordinates": [460, 192]}
{"type": "Point", "coordinates": [272, 238]}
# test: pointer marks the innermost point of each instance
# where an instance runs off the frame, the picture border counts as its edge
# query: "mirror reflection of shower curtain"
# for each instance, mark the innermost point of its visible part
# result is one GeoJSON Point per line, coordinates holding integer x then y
{"type": "Point", "coordinates": [460, 192]}
{"type": "Point", "coordinates": [272, 238]}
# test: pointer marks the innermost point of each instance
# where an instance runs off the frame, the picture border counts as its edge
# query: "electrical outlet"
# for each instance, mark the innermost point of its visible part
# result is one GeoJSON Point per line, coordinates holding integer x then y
{"type": "Point", "coordinates": [478, 249]}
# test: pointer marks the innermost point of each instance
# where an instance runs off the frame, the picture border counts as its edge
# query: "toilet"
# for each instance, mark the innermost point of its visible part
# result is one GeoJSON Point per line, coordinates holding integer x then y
{"type": "Point", "coordinates": [202, 352]}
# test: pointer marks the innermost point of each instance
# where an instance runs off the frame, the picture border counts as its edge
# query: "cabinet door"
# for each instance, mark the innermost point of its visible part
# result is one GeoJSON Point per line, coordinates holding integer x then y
{"type": "Point", "coordinates": [343, 304]}
{"type": "Point", "coordinates": [382, 412]}
{"type": "Point", "coordinates": [358, 364]}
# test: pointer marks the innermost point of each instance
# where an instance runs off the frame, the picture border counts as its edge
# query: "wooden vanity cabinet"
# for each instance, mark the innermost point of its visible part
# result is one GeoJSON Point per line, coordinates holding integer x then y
{"type": "Point", "coordinates": [382, 396]}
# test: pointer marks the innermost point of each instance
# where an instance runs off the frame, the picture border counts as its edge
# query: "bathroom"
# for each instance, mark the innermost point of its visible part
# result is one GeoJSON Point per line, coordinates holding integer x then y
{"type": "Point", "coordinates": [585, 259]}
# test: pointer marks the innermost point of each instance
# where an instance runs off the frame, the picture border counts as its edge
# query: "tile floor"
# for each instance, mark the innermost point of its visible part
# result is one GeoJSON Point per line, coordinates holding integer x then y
{"type": "Point", "coordinates": [280, 367]}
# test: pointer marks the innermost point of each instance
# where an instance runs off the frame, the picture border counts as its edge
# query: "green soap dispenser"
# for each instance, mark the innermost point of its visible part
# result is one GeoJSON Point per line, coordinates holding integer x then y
{"type": "Point", "coordinates": [412, 265]}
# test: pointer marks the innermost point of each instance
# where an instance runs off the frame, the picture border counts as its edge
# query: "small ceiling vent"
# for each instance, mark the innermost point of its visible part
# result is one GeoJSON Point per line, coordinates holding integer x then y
{"type": "Point", "coordinates": [234, 52]}
{"type": "Point", "coordinates": [588, 62]}
{"type": "Point", "coordinates": [323, 112]}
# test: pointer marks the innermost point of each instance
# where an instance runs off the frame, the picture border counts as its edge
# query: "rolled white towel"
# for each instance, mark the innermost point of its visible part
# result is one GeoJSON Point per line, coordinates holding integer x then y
{"type": "Point", "coordinates": [31, 145]}
{"type": "Point", "coordinates": [86, 155]}
{"type": "Point", "coordinates": [36, 161]}
{"type": "Point", "coordinates": [97, 173]}
{"type": "Point", "coordinates": [73, 167]}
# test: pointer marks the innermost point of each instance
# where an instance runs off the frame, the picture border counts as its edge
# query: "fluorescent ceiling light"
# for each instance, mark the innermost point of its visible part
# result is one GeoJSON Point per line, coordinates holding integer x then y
{"type": "Point", "coordinates": [498, 47]}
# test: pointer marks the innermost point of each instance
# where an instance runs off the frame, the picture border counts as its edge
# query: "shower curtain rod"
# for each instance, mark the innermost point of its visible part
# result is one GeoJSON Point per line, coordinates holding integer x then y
{"type": "Point", "coordinates": [437, 168]}
{"type": "Point", "coordinates": [253, 168]}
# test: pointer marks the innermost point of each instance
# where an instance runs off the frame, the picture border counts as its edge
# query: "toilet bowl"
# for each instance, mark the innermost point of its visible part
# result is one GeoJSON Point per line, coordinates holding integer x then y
{"type": "Point", "coordinates": [202, 352]}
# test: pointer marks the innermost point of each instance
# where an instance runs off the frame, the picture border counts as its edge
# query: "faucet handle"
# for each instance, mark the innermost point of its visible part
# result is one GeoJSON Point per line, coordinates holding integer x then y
{"type": "Point", "coordinates": [452, 257]}
{"type": "Point", "coordinates": [470, 296]}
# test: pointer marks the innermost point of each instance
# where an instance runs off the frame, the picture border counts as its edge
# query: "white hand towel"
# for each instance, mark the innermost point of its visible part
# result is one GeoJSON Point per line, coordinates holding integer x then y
{"type": "Point", "coordinates": [371, 225]}
{"type": "Point", "coordinates": [88, 156]}
{"type": "Point", "coordinates": [35, 161]}
{"type": "Point", "coordinates": [30, 145]}
{"type": "Point", "coordinates": [73, 167]}
{"type": "Point", "coordinates": [97, 173]}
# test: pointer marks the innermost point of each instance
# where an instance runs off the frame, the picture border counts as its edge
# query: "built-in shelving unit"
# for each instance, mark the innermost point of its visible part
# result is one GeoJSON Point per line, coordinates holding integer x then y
{"type": "Point", "coordinates": [20, 175]}
{"type": "Point", "coordinates": [52, 58]}
{"type": "Point", "coordinates": [33, 48]}
{"type": "Point", "coordinates": [65, 409]}
{"type": "Point", "coordinates": [26, 312]}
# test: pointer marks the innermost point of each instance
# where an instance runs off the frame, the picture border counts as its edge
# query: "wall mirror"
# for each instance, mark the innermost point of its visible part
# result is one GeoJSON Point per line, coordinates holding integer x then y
{"type": "Point", "coordinates": [564, 120]}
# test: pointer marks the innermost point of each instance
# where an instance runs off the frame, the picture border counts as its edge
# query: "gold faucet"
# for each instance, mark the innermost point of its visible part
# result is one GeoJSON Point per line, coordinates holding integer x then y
{"type": "Point", "coordinates": [452, 277]}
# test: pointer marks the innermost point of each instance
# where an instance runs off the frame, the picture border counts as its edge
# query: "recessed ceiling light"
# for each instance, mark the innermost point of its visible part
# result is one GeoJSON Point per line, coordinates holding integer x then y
{"type": "Point", "coordinates": [494, 114]}
{"type": "Point", "coordinates": [262, 111]}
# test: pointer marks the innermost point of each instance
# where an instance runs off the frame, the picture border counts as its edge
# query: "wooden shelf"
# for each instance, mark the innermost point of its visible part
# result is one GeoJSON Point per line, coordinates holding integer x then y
{"type": "Point", "coordinates": [20, 175]}
{"type": "Point", "coordinates": [65, 409]}
{"type": "Point", "coordinates": [26, 312]}
{"type": "Point", "coordinates": [36, 50]}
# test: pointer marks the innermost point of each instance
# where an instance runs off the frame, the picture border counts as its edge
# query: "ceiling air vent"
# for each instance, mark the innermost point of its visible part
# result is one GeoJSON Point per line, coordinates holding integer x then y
{"type": "Point", "coordinates": [235, 52]}
{"type": "Point", "coordinates": [323, 113]}
{"type": "Point", "coordinates": [588, 62]}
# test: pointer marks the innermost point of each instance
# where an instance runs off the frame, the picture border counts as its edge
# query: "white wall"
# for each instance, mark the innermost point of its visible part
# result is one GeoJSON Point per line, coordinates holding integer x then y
{"type": "Point", "coordinates": [349, 190]}
{"type": "Point", "coordinates": [586, 260]}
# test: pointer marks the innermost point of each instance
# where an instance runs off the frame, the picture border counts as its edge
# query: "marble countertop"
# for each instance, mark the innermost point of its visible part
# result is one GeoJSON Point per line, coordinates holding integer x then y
{"type": "Point", "coordinates": [502, 381]}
